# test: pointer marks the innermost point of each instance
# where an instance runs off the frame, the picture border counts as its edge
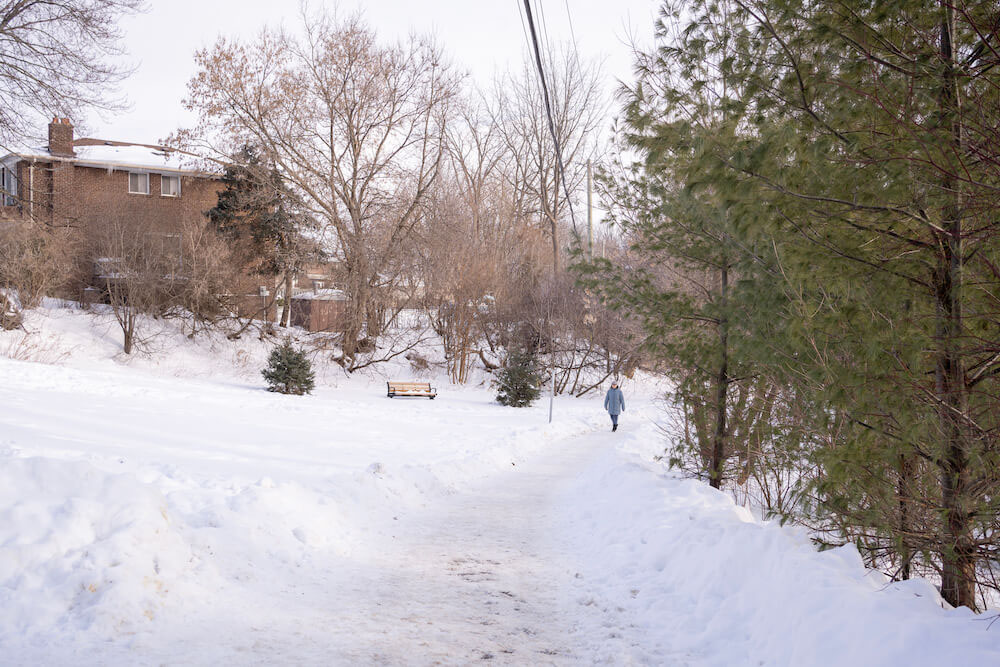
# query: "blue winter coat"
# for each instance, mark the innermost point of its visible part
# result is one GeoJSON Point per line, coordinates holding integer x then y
{"type": "Point", "coordinates": [614, 401]}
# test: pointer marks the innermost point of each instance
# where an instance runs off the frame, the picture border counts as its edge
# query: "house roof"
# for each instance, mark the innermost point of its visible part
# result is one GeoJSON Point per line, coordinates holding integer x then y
{"type": "Point", "coordinates": [322, 295]}
{"type": "Point", "coordinates": [118, 155]}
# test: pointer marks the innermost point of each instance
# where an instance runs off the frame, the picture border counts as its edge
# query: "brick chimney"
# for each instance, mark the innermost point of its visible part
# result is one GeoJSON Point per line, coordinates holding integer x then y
{"type": "Point", "coordinates": [61, 137]}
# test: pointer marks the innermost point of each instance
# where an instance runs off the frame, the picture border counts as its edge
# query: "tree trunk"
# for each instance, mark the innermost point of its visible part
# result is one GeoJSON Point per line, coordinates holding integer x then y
{"type": "Point", "coordinates": [357, 310]}
{"type": "Point", "coordinates": [374, 316]}
{"type": "Point", "coordinates": [286, 308]}
{"type": "Point", "coordinates": [554, 230]}
{"type": "Point", "coordinates": [958, 575]}
{"type": "Point", "coordinates": [128, 335]}
{"type": "Point", "coordinates": [721, 390]}
{"type": "Point", "coordinates": [903, 495]}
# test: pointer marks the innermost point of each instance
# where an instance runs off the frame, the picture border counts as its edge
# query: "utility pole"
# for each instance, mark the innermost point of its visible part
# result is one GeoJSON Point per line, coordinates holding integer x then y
{"type": "Point", "coordinates": [552, 395]}
{"type": "Point", "coordinates": [590, 211]}
{"type": "Point", "coordinates": [552, 357]}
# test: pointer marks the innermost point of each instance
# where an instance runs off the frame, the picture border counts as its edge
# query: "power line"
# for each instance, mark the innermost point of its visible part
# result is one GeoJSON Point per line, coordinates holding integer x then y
{"type": "Point", "coordinates": [524, 26]}
{"type": "Point", "coordinates": [572, 32]}
{"type": "Point", "coordinates": [548, 113]}
{"type": "Point", "coordinates": [543, 25]}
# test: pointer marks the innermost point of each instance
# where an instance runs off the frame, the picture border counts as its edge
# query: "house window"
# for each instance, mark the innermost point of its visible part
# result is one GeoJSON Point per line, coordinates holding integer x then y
{"type": "Point", "coordinates": [138, 183]}
{"type": "Point", "coordinates": [8, 187]}
{"type": "Point", "coordinates": [170, 186]}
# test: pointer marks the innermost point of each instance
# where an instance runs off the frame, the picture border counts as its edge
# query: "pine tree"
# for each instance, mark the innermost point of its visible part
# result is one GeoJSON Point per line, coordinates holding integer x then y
{"type": "Point", "coordinates": [289, 370]}
{"type": "Point", "coordinates": [519, 381]}
{"type": "Point", "coordinates": [692, 278]}
{"type": "Point", "coordinates": [254, 210]}
{"type": "Point", "coordinates": [858, 165]}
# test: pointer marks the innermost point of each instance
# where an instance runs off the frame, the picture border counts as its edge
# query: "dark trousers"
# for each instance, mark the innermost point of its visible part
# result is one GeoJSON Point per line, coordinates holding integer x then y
{"type": "Point", "coordinates": [614, 419]}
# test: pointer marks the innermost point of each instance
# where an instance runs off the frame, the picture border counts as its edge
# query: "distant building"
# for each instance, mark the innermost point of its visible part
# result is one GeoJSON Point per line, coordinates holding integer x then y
{"type": "Point", "coordinates": [83, 184]}
{"type": "Point", "coordinates": [75, 182]}
{"type": "Point", "coordinates": [319, 310]}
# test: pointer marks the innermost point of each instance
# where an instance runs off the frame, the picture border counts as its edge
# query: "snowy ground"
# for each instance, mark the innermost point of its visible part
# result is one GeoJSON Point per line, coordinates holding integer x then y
{"type": "Point", "coordinates": [166, 510]}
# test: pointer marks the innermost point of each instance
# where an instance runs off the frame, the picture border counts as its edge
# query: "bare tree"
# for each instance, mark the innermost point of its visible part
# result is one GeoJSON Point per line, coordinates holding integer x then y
{"type": "Point", "coordinates": [463, 275]}
{"type": "Point", "coordinates": [138, 270]}
{"type": "Point", "coordinates": [578, 108]}
{"type": "Point", "coordinates": [475, 156]}
{"type": "Point", "coordinates": [207, 271]}
{"type": "Point", "coordinates": [355, 127]}
{"type": "Point", "coordinates": [58, 59]}
{"type": "Point", "coordinates": [182, 271]}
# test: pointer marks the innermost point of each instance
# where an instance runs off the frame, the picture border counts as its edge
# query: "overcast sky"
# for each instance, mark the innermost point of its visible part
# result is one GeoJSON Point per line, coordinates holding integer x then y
{"type": "Point", "coordinates": [481, 36]}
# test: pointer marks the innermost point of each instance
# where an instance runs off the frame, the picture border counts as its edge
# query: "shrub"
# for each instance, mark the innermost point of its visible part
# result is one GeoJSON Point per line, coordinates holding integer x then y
{"type": "Point", "coordinates": [289, 371]}
{"type": "Point", "coordinates": [519, 381]}
{"type": "Point", "coordinates": [33, 263]}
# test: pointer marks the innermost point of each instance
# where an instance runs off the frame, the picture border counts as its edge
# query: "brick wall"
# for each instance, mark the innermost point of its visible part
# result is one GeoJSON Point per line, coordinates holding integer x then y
{"type": "Point", "coordinates": [63, 200]}
{"type": "Point", "coordinates": [101, 196]}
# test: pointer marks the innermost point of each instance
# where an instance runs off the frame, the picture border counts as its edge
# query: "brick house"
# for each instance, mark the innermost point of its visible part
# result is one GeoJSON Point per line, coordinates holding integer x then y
{"type": "Point", "coordinates": [83, 184]}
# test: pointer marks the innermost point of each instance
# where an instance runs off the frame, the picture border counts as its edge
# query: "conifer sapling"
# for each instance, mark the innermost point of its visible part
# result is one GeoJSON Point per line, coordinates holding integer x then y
{"type": "Point", "coordinates": [289, 371]}
{"type": "Point", "coordinates": [519, 381]}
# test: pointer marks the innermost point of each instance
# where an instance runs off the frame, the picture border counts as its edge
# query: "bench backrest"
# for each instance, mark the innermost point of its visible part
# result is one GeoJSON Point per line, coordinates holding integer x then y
{"type": "Point", "coordinates": [422, 386]}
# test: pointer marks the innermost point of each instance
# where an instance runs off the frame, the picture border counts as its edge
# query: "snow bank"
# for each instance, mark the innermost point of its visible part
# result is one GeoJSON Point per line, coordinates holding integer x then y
{"type": "Point", "coordinates": [83, 550]}
{"type": "Point", "coordinates": [63, 333]}
{"type": "Point", "coordinates": [709, 584]}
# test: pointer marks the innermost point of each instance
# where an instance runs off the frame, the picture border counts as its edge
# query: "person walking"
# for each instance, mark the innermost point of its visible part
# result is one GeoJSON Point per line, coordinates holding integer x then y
{"type": "Point", "coordinates": [614, 403]}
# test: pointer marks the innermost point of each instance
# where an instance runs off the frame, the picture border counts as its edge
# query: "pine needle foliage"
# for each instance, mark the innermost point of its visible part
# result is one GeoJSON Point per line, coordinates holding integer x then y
{"type": "Point", "coordinates": [838, 163]}
{"type": "Point", "coordinates": [519, 381]}
{"type": "Point", "coordinates": [253, 209]}
{"type": "Point", "coordinates": [289, 370]}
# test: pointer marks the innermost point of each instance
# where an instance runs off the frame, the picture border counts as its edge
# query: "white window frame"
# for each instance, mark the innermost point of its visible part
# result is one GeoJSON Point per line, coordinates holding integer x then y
{"type": "Point", "coordinates": [177, 179]}
{"type": "Point", "coordinates": [140, 174]}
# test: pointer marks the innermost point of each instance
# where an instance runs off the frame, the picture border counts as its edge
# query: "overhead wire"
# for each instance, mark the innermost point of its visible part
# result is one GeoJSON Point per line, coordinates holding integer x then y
{"type": "Point", "coordinates": [572, 32]}
{"type": "Point", "coordinates": [559, 162]}
{"type": "Point", "coordinates": [543, 25]}
{"type": "Point", "coordinates": [548, 113]}
{"type": "Point", "coordinates": [524, 26]}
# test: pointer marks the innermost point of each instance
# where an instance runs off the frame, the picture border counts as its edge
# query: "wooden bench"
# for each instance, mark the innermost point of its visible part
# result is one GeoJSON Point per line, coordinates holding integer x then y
{"type": "Point", "coordinates": [394, 389]}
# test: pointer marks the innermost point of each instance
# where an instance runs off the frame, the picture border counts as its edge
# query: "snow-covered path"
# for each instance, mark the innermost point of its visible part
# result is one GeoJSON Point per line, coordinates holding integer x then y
{"type": "Point", "coordinates": [474, 576]}
{"type": "Point", "coordinates": [482, 575]}
{"type": "Point", "coordinates": [338, 529]}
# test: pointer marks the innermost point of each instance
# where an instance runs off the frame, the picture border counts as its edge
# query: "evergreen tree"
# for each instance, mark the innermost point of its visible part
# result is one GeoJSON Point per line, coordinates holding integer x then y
{"type": "Point", "coordinates": [519, 380]}
{"type": "Point", "coordinates": [856, 166]}
{"type": "Point", "coordinates": [254, 211]}
{"type": "Point", "coordinates": [692, 279]}
{"type": "Point", "coordinates": [875, 140]}
{"type": "Point", "coordinates": [289, 370]}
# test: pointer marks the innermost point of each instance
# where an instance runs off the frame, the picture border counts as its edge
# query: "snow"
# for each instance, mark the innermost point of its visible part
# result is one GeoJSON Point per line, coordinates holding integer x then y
{"type": "Point", "coordinates": [325, 294]}
{"type": "Point", "coordinates": [118, 157]}
{"type": "Point", "coordinates": [135, 156]}
{"type": "Point", "coordinates": [165, 509]}
{"type": "Point", "coordinates": [706, 583]}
